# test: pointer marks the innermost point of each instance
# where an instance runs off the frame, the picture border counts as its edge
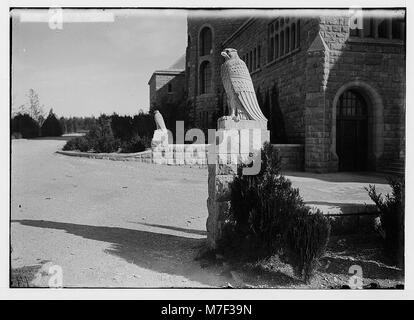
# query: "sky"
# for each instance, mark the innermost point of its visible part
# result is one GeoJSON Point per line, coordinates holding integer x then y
{"type": "Point", "coordinates": [88, 68]}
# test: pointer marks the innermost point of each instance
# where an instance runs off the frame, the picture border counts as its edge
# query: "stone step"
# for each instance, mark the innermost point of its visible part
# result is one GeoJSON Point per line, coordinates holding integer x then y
{"type": "Point", "coordinates": [349, 218]}
{"type": "Point", "coordinates": [394, 167]}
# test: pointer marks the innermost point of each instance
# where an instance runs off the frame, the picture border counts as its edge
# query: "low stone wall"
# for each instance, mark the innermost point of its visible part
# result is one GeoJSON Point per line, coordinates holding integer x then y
{"type": "Point", "coordinates": [176, 154]}
{"type": "Point", "coordinates": [292, 156]}
{"type": "Point", "coordinates": [181, 154]}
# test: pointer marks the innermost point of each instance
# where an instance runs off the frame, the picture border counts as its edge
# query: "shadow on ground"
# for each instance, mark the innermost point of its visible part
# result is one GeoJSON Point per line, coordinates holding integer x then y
{"type": "Point", "coordinates": [159, 252]}
{"type": "Point", "coordinates": [161, 226]}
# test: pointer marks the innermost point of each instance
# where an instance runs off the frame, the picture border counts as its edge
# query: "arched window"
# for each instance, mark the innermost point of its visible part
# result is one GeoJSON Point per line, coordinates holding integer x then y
{"type": "Point", "coordinates": [352, 131]}
{"type": "Point", "coordinates": [206, 41]}
{"type": "Point", "coordinates": [351, 104]}
{"type": "Point", "coordinates": [205, 77]}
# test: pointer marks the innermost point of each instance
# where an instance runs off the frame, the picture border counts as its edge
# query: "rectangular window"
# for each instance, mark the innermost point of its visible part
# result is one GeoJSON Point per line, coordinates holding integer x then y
{"type": "Point", "coordinates": [368, 27]}
{"type": "Point", "coordinates": [398, 29]}
{"type": "Point", "coordinates": [383, 29]}
{"type": "Point", "coordinates": [380, 28]}
{"type": "Point", "coordinates": [283, 37]}
{"type": "Point", "coordinates": [254, 59]}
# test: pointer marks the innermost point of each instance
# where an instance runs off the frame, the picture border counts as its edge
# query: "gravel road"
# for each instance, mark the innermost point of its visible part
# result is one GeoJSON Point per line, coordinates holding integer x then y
{"type": "Point", "coordinates": [127, 224]}
{"type": "Point", "coordinates": [107, 223]}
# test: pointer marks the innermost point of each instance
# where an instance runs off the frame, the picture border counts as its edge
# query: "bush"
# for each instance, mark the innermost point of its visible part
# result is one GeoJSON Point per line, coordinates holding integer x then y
{"type": "Point", "coordinates": [78, 143]}
{"type": "Point", "coordinates": [122, 127]}
{"type": "Point", "coordinates": [51, 127]}
{"type": "Point", "coordinates": [25, 125]}
{"type": "Point", "coordinates": [126, 128]}
{"type": "Point", "coordinates": [136, 144]}
{"type": "Point", "coordinates": [261, 204]}
{"type": "Point", "coordinates": [268, 216]}
{"type": "Point", "coordinates": [392, 213]}
{"type": "Point", "coordinates": [305, 239]}
{"type": "Point", "coordinates": [99, 139]}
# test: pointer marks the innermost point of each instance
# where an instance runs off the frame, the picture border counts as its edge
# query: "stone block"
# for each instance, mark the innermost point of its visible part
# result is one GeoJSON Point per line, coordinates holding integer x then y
{"type": "Point", "coordinates": [228, 124]}
{"type": "Point", "coordinates": [223, 169]}
{"type": "Point", "coordinates": [217, 214]}
{"type": "Point", "coordinates": [179, 158]}
{"type": "Point", "coordinates": [227, 141]}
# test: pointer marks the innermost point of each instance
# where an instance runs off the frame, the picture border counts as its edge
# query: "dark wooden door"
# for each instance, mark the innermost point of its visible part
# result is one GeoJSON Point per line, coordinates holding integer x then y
{"type": "Point", "coordinates": [352, 132]}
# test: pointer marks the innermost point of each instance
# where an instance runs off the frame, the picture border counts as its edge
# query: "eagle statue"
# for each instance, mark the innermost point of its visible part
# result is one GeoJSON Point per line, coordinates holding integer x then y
{"type": "Point", "coordinates": [238, 84]}
{"type": "Point", "coordinates": [159, 120]}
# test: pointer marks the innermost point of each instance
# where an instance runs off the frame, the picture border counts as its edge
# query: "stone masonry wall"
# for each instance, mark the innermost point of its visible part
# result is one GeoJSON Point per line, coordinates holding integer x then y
{"type": "Point", "coordinates": [159, 88]}
{"type": "Point", "coordinates": [308, 80]}
{"type": "Point", "coordinates": [378, 64]}
{"type": "Point", "coordinates": [210, 102]}
{"type": "Point", "coordinates": [287, 74]}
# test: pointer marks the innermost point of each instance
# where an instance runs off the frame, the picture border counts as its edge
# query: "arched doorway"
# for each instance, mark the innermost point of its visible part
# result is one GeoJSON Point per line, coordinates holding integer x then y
{"type": "Point", "coordinates": [352, 131]}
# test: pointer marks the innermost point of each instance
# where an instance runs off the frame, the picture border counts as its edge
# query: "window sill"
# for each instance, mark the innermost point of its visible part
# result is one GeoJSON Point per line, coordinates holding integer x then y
{"type": "Point", "coordinates": [269, 64]}
{"type": "Point", "coordinates": [255, 71]}
{"type": "Point", "coordinates": [389, 42]}
{"type": "Point", "coordinates": [206, 95]}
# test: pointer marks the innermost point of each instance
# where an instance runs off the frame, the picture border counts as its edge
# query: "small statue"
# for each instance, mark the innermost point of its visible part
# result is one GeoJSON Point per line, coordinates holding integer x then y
{"type": "Point", "coordinates": [238, 84]}
{"type": "Point", "coordinates": [160, 137]}
{"type": "Point", "coordinates": [159, 120]}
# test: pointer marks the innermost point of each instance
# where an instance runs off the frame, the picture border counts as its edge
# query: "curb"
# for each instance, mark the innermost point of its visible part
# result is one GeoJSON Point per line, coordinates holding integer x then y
{"type": "Point", "coordinates": [145, 156]}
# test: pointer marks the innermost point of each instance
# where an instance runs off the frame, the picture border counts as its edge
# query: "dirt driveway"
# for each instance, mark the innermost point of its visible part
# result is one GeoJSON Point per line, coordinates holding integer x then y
{"type": "Point", "coordinates": [107, 223]}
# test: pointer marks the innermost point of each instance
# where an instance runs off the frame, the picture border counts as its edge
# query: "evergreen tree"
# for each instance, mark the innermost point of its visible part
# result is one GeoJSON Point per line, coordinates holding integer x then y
{"type": "Point", "coordinates": [51, 126]}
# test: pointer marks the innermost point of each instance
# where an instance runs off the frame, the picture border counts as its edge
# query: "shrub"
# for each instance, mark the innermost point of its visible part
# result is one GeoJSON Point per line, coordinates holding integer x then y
{"type": "Point", "coordinates": [305, 240]}
{"type": "Point", "coordinates": [268, 216]}
{"type": "Point", "coordinates": [262, 203]}
{"type": "Point", "coordinates": [78, 143]}
{"type": "Point", "coordinates": [99, 139]}
{"type": "Point", "coordinates": [25, 125]}
{"type": "Point", "coordinates": [51, 127]}
{"type": "Point", "coordinates": [122, 127]}
{"type": "Point", "coordinates": [135, 144]}
{"type": "Point", "coordinates": [105, 145]}
{"type": "Point", "coordinates": [126, 128]}
{"type": "Point", "coordinates": [392, 213]}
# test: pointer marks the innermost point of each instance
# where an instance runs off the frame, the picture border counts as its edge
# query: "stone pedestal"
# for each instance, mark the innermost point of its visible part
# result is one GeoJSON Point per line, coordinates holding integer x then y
{"type": "Point", "coordinates": [235, 143]}
{"type": "Point", "coordinates": [160, 138]}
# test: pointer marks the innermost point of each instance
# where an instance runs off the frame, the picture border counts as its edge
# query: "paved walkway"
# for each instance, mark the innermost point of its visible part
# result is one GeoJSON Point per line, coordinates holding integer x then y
{"type": "Point", "coordinates": [337, 193]}
{"type": "Point", "coordinates": [126, 224]}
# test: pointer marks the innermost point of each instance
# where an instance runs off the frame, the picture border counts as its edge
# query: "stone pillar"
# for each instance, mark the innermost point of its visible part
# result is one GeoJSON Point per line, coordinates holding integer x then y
{"type": "Point", "coordinates": [234, 145]}
{"type": "Point", "coordinates": [318, 116]}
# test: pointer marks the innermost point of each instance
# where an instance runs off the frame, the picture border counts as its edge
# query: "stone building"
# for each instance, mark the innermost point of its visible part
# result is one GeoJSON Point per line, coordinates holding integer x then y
{"type": "Point", "coordinates": [332, 84]}
{"type": "Point", "coordinates": [167, 86]}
